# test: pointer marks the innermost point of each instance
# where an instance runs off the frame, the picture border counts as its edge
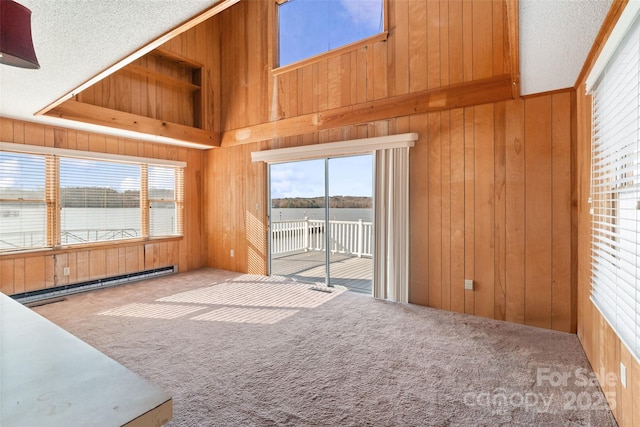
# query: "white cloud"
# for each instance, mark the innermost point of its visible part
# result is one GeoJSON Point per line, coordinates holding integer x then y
{"type": "Point", "coordinates": [299, 179]}
{"type": "Point", "coordinates": [363, 12]}
{"type": "Point", "coordinates": [130, 184]}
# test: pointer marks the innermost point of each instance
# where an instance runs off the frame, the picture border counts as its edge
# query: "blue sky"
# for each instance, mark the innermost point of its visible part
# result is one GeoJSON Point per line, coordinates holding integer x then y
{"type": "Point", "coordinates": [348, 176]}
{"type": "Point", "coordinates": [310, 27]}
{"type": "Point", "coordinates": [27, 172]}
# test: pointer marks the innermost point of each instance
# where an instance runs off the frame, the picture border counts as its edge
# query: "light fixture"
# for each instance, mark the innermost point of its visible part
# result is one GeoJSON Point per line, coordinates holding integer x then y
{"type": "Point", "coordinates": [16, 46]}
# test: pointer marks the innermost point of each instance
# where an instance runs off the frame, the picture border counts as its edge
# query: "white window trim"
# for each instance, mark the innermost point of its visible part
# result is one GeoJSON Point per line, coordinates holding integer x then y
{"type": "Point", "coordinates": [335, 149]}
{"type": "Point", "coordinates": [622, 27]}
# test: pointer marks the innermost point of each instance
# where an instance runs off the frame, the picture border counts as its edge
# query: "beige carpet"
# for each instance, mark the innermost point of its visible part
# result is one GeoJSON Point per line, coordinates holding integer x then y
{"type": "Point", "coordinates": [238, 350]}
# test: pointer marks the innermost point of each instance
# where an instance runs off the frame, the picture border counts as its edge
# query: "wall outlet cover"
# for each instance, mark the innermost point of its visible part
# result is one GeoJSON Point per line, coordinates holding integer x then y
{"type": "Point", "coordinates": [468, 284]}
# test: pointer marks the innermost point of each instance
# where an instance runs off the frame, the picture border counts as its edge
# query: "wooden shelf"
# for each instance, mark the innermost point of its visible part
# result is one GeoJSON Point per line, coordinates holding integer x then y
{"type": "Point", "coordinates": [161, 78]}
{"type": "Point", "coordinates": [175, 58]}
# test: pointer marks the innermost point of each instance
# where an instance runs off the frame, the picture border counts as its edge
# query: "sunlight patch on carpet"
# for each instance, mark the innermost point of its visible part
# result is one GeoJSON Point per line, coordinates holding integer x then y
{"type": "Point", "coordinates": [263, 316]}
{"type": "Point", "coordinates": [260, 294]}
{"type": "Point", "coordinates": [152, 311]}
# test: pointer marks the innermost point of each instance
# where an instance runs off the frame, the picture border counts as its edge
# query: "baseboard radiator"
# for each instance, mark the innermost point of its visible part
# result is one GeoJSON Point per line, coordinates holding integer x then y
{"type": "Point", "coordinates": [58, 292]}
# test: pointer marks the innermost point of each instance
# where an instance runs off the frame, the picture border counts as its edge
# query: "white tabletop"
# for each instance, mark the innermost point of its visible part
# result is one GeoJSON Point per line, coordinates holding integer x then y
{"type": "Point", "coordinates": [48, 377]}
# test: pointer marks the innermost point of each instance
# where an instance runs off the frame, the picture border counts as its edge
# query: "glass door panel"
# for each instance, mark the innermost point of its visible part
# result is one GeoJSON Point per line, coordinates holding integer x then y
{"type": "Point", "coordinates": [321, 221]}
{"type": "Point", "coordinates": [351, 222]}
{"type": "Point", "coordinates": [297, 220]}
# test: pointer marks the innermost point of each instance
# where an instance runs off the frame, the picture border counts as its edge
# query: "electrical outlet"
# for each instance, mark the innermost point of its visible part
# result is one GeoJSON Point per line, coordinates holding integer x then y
{"type": "Point", "coordinates": [468, 284]}
{"type": "Point", "coordinates": [232, 253]}
{"type": "Point", "coordinates": [66, 271]}
{"type": "Point", "coordinates": [623, 375]}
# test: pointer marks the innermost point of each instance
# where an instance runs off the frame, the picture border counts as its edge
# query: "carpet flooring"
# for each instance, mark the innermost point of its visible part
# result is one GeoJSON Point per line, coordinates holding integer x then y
{"type": "Point", "coordinates": [240, 350]}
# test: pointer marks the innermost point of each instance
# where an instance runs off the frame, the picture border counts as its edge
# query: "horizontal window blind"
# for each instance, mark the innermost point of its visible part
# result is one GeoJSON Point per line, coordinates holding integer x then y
{"type": "Point", "coordinates": [99, 201]}
{"type": "Point", "coordinates": [23, 204]}
{"type": "Point", "coordinates": [55, 197]}
{"type": "Point", "coordinates": [615, 192]}
{"type": "Point", "coordinates": [163, 200]}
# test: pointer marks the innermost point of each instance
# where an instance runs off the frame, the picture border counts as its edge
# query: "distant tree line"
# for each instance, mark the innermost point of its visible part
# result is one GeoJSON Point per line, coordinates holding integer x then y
{"type": "Point", "coordinates": [318, 202]}
{"type": "Point", "coordinates": [98, 197]}
{"type": "Point", "coordinates": [90, 197]}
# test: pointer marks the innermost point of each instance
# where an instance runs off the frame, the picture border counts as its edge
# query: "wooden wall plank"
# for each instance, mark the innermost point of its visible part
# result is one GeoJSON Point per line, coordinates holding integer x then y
{"type": "Point", "coordinates": [562, 299]}
{"type": "Point", "coordinates": [445, 161]}
{"type": "Point", "coordinates": [419, 213]}
{"type": "Point", "coordinates": [515, 212]}
{"type": "Point", "coordinates": [434, 180]}
{"type": "Point", "coordinates": [469, 206]}
{"type": "Point", "coordinates": [19, 276]}
{"type": "Point", "coordinates": [457, 211]}
{"type": "Point", "coordinates": [484, 213]}
{"type": "Point", "coordinates": [433, 45]}
{"type": "Point", "coordinates": [7, 271]}
{"type": "Point", "coordinates": [499, 197]}
{"type": "Point", "coordinates": [417, 27]}
{"type": "Point", "coordinates": [97, 264]}
{"type": "Point", "coordinates": [482, 39]}
{"type": "Point", "coordinates": [400, 55]}
{"type": "Point", "coordinates": [538, 191]}
{"type": "Point", "coordinates": [34, 273]}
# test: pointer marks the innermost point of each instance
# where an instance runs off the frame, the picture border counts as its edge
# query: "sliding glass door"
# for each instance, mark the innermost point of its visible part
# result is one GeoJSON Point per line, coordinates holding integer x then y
{"type": "Point", "coordinates": [321, 221]}
{"type": "Point", "coordinates": [350, 214]}
{"type": "Point", "coordinates": [297, 220]}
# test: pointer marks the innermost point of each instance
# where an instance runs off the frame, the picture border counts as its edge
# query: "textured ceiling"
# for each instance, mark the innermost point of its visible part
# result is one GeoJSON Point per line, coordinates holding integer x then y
{"type": "Point", "coordinates": [555, 39]}
{"type": "Point", "coordinates": [77, 39]}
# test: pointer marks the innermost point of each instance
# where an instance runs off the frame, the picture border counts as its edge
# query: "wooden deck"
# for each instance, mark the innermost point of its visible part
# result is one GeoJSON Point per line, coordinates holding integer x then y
{"type": "Point", "coordinates": [351, 272]}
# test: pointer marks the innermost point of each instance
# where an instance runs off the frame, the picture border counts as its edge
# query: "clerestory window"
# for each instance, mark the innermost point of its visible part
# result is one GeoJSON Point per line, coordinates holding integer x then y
{"type": "Point", "coordinates": [311, 27]}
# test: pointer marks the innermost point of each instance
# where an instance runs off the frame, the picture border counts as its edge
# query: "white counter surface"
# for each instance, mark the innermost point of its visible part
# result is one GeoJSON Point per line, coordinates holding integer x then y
{"type": "Point", "coordinates": [48, 377]}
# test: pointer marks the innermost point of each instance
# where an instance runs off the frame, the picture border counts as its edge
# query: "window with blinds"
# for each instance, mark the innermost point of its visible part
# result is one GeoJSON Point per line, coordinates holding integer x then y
{"type": "Point", "coordinates": [615, 192]}
{"type": "Point", "coordinates": [164, 206]}
{"type": "Point", "coordinates": [99, 201]}
{"type": "Point", "coordinates": [23, 204]}
{"type": "Point", "coordinates": [51, 198]}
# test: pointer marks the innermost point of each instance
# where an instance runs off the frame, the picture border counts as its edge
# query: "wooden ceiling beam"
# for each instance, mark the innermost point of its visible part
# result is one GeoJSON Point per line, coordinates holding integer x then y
{"type": "Point", "coordinates": [478, 92]}
{"type": "Point", "coordinates": [93, 114]}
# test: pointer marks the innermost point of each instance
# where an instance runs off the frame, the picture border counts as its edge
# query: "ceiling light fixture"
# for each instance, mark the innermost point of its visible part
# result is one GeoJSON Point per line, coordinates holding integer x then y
{"type": "Point", "coordinates": [16, 45]}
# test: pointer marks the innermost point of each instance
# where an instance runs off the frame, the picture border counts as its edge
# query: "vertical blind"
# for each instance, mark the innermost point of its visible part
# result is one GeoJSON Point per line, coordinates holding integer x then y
{"type": "Point", "coordinates": [615, 192]}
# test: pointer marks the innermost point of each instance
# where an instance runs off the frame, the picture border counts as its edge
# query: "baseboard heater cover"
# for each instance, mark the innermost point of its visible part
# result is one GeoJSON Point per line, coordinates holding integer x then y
{"type": "Point", "coordinates": [61, 291]}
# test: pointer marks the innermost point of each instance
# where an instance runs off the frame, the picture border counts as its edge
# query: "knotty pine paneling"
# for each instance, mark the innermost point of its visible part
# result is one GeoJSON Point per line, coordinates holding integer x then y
{"type": "Point", "coordinates": [489, 200]}
{"type": "Point", "coordinates": [602, 346]}
{"type": "Point", "coordinates": [431, 44]}
{"type": "Point", "coordinates": [44, 269]}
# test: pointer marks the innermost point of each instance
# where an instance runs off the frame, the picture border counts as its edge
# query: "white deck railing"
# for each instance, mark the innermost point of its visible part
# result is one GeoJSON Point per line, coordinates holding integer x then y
{"type": "Point", "coordinates": [346, 237]}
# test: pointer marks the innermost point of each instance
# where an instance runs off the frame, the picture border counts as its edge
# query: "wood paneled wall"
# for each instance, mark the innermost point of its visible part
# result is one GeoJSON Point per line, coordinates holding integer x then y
{"type": "Point", "coordinates": [43, 269]}
{"type": "Point", "coordinates": [490, 185]}
{"type": "Point", "coordinates": [602, 346]}
{"type": "Point", "coordinates": [144, 96]}
{"type": "Point", "coordinates": [490, 200]}
{"type": "Point", "coordinates": [431, 44]}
